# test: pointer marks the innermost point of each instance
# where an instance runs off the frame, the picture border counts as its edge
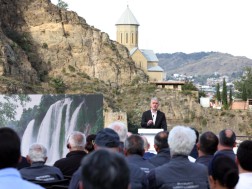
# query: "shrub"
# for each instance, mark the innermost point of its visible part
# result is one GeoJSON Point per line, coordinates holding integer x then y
{"type": "Point", "coordinates": [71, 68]}
{"type": "Point", "coordinates": [58, 85]}
{"type": "Point", "coordinates": [44, 46]}
{"type": "Point", "coordinates": [223, 113]}
{"type": "Point", "coordinates": [186, 120]}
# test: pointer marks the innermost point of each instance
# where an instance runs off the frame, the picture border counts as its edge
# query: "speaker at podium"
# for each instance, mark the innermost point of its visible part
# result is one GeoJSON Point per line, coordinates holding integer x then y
{"type": "Point", "coordinates": [150, 135]}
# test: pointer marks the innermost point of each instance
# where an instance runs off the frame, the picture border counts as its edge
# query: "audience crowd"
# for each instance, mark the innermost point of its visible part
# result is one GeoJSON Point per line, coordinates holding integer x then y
{"type": "Point", "coordinates": [113, 159]}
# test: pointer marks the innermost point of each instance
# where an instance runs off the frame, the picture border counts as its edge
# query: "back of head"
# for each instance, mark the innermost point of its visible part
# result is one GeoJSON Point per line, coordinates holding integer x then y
{"type": "Point", "coordinates": [146, 143]}
{"type": "Point", "coordinates": [37, 152]}
{"type": "Point", "coordinates": [181, 140]}
{"type": "Point", "coordinates": [196, 133]}
{"type": "Point", "coordinates": [120, 128]}
{"type": "Point", "coordinates": [161, 139]}
{"type": "Point", "coordinates": [244, 155]}
{"type": "Point", "coordinates": [76, 141]}
{"type": "Point", "coordinates": [107, 138]}
{"type": "Point", "coordinates": [227, 138]}
{"type": "Point", "coordinates": [134, 145]}
{"type": "Point", "coordinates": [103, 169]}
{"type": "Point", "coordinates": [224, 170]}
{"type": "Point", "coordinates": [208, 143]}
{"type": "Point", "coordinates": [9, 148]}
{"type": "Point", "coordinates": [90, 142]}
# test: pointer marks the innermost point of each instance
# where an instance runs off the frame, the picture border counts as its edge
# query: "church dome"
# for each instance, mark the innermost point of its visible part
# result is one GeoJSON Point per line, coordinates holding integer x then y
{"type": "Point", "coordinates": [127, 18]}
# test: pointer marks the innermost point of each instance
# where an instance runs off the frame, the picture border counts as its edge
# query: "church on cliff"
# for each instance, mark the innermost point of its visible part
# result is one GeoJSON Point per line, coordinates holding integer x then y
{"type": "Point", "coordinates": [127, 35]}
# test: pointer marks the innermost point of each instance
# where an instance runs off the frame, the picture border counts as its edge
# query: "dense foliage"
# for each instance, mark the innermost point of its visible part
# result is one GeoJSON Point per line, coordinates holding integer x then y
{"type": "Point", "coordinates": [218, 95]}
{"type": "Point", "coordinates": [9, 105]}
{"type": "Point", "coordinates": [62, 4]}
{"type": "Point", "coordinates": [244, 85]}
{"type": "Point", "coordinates": [224, 95]}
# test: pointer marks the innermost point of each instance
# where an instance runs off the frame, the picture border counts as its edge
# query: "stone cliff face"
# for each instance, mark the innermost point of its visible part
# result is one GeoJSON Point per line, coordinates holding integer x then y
{"type": "Point", "coordinates": [39, 41]}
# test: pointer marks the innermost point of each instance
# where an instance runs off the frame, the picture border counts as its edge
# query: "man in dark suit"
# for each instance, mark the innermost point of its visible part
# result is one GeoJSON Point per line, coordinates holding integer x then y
{"type": "Point", "coordinates": [154, 118]}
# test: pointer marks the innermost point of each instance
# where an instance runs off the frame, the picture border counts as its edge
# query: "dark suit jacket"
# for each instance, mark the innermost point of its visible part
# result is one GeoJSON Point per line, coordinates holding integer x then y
{"type": "Point", "coordinates": [70, 163]}
{"type": "Point", "coordinates": [160, 120]}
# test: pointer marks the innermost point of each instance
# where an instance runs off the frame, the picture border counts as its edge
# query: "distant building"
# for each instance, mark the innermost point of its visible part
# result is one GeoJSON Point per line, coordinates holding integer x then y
{"type": "Point", "coordinates": [127, 34]}
{"type": "Point", "coordinates": [205, 102]}
{"type": "Point", "coordinates": [242, 105]}
{"type": "Point", "coordinates": [174, 85]}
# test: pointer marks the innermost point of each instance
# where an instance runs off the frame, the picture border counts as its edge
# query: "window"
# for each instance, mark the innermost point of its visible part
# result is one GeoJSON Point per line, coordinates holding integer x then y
{"type": "Point", "coordinates": [126, 37]}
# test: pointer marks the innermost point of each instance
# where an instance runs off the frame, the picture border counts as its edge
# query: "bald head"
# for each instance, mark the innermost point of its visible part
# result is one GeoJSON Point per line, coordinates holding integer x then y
{"type": "Point", "coordinates": [227, 138]}
{"type": "Point", "coordinates": [161, 140]}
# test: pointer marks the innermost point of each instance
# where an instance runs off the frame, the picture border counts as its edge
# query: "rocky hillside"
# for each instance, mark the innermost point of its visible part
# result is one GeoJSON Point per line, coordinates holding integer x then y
{"type": "Point", "coordinates": [41, 43]}
{"type": "Point", "coordinates": [44, 49]}
{"type": "Point", "coordinates": [203, 63]}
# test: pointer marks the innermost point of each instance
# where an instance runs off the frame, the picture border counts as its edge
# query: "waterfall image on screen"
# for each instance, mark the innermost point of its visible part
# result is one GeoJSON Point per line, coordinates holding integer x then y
{"type": "Point", "coordinates": [50, 119]}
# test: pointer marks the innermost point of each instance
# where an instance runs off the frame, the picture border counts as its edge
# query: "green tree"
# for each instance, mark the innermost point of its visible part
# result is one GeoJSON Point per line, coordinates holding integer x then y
{"type": "Point", "coordinates": [244, 84]}
{"type": "Point", "coordinates": [230, 96]}
{"type": "Point", "coordinates": [218, 95]}
{"type": "Point", "coordinates": [58, 85]}
{"type": "Point", "coordinates": [189, 86]}
{"type": "Point", "coordinates": [224, 95]}
{"type": "Point", "coordinates": [9, 105]}
{"type": "Point", "coordinates": [244, 92]}
{"type": "Point", "coordinates": [63, 5]}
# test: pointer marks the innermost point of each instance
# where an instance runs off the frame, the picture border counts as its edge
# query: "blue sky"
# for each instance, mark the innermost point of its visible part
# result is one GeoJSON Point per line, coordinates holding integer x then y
{"type": "Point", "coordinates": [168, 26]}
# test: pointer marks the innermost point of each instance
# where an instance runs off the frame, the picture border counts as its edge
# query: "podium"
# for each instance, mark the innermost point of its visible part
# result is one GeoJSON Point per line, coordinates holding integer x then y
{"type": "Point", "coordinates": [150, 135]}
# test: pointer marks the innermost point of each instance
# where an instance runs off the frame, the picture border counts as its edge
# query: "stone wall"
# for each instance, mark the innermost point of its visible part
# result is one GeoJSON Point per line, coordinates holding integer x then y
{"type": "Point", "coordinates": [110, 117]}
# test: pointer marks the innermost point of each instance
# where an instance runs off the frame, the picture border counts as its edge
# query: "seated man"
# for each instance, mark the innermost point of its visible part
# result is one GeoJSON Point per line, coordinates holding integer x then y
{"type": "Point", "coordinates": [162, 148]}
{"type": "Point", "coordinates": [134, 150]}
{"type": "Point", "coordinates": [38, 171]}
{"type": "Point", "coordinates": [227, 141]}
{"type": "Point", "coordinates": [207, 146]}
{"type": "Point", "coordinates": [244, 162]}
{"type": "Point", "coordinates": [121, 129]}
{"type": "Point", "coordinates": [223, 172]}
{"type": "Point", "coordinates": [76, 145]}
{"type": "Point", "coordinates": [10, 155]}
{"type": "Point", "coordinates": [179, 172]}
{"type": "Point", "coordinates": [147, 154]}
{"type": "Point", "coordinates": [111, 171]}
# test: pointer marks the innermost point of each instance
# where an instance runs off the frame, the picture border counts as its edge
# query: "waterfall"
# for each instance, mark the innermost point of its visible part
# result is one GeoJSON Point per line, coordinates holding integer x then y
{"type": "Point", "coordinates": [28, 138]}
{"type": "Point", "coordinates": [55, 153]}
{"type": "Point", "coordinates": [74, 119]}
{"type": "Point", "coordinates": [71, 126]}
{"type": "Point", "coordinates": [56, 125]}
{"type": "Point", "coordinates": [59, 121]}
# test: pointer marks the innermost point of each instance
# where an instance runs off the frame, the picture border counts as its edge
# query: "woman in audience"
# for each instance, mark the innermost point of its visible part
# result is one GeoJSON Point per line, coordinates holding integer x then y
{"type": "Point", "coordinates": [89, 147]}
{"type": "Point", "coordinates": [223, 173]}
